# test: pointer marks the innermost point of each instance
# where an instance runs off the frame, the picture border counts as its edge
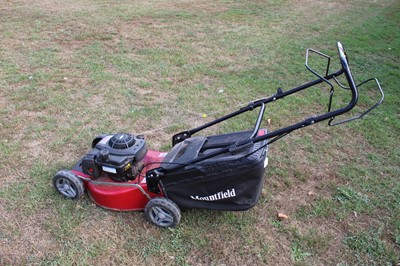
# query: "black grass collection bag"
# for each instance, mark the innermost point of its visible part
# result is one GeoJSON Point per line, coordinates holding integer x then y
{"type": "Point", "coordinates": [232, 181]}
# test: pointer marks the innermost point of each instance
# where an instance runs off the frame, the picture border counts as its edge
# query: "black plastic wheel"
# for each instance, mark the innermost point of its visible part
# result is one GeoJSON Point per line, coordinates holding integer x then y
{"type": "Point", "coordinates": [162, 212]}
{"type": "Point", "coordinates": [68, 184]}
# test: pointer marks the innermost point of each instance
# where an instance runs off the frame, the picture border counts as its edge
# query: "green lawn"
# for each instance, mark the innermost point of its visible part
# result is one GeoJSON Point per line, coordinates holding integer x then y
{"type": "Point", "coordinates": [73, 69]}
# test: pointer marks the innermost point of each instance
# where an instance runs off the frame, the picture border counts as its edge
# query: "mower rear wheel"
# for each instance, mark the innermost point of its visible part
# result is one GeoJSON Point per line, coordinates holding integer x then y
{"type": "Point", "coordinates": [162, 212]}
{"type": "Point", "coordinates": [68, 184]}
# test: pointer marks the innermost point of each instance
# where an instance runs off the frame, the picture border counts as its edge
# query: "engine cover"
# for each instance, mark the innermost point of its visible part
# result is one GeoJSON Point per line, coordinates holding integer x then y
{"type": "Point", "coordinates": [117, 155]}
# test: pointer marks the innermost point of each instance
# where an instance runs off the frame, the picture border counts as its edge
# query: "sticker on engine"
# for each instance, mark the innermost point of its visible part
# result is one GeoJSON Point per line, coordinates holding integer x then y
{"type": "Point", "coordinates": [105, 140]}
{"type": "Point", "coordinates": [163, 154]}
{"type": "Point", "coordinates": [109, 170]}
{"type": "Point", "coordinates": [265, 162]}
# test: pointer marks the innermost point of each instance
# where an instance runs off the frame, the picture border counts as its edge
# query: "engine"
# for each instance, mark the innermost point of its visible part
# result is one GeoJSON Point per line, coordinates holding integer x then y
{"type": "Point", "coordinates": [118, 155]}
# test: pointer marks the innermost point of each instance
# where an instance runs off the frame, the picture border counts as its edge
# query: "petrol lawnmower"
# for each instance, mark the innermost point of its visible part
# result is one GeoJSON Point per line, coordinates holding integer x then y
{"type": "Point", "coordinates": [219, 172]}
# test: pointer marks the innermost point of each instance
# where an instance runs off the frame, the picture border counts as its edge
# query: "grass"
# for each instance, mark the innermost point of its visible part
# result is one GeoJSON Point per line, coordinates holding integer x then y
{"type": "Point", "coordinates": [70, 70]}
{"type": "Point", "coordinates": [368, 246]}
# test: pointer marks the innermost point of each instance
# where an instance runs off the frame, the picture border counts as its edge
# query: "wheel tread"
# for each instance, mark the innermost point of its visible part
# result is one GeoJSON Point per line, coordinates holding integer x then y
{"type": "Point", "coordinates": [73, 179]}
{"type": "Point", "coordinates": [164, 203]}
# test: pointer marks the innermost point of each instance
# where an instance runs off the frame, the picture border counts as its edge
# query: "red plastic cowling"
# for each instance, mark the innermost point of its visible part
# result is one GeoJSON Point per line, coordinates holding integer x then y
{"type": "Point", "coordinates": [113, 195]}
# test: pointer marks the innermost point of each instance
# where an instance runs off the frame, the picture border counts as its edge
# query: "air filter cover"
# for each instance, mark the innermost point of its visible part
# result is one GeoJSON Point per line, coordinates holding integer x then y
{"type": "Point", "coordinates": [122, 141]}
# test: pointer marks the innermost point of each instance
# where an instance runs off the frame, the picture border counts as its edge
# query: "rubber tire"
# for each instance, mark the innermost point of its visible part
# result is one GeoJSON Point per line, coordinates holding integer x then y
{"type": "Point", "coordinates": [68, 184]}
{"type": "Point", "coordinates": [162, 212]}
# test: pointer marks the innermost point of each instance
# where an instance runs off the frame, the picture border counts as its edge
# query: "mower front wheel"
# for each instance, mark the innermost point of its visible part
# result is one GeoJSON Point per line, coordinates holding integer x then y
{"type": "Point", "coordinates": [68, 184]}
{"type": "Point", "coordinates": [162, 212]}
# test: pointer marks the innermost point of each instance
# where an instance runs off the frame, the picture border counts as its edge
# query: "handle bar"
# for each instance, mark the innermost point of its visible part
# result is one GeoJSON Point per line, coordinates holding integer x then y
{"type": "Point", "coordinates": [345, 65]}
{"type": "Point", "coordinates": [330, 115]}
{"type": "Point", "coordinates": [352, 86]}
